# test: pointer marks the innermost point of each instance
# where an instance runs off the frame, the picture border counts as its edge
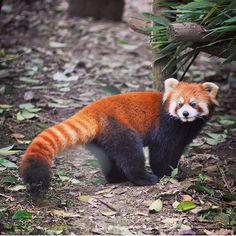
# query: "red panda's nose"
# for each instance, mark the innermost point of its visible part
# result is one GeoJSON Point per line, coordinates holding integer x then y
{"type": "Point", "coordinates": [185, 113]}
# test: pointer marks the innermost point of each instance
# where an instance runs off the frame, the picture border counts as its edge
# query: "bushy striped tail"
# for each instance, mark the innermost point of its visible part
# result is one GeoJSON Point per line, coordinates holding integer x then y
{"type": "Point", "coordinates": [35, 166]}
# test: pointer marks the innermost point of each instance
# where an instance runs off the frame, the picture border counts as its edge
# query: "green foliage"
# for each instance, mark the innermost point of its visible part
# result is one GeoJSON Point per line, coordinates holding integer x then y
{"type": "Point", "coordinates": [186, 206]}
{"type": "Point", "coordinates": [22, 215]}
{"type": "Point", "coordinates": [217, 16]}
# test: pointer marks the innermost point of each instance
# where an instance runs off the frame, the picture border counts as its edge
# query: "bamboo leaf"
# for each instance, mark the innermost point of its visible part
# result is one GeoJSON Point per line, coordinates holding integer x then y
{"type": "Point", "coordinates": [7, 163]}
{"type": "Point", "coordinates": [157, 19]}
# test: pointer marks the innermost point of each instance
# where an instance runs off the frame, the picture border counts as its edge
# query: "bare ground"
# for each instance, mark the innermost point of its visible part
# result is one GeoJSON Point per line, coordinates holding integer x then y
{"type": "Point", "coordinates": [107, 58]}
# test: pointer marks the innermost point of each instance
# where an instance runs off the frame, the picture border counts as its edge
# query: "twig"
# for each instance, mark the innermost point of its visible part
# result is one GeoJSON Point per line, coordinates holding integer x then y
{"type": "Point", "coordinates": [108, 205]}
{"type": "Point", "coordinates": [191, 62]}
{"type": "Point", "coordinates": [13, 58]}
{"type": "Point", "coordinates": [6, 196]}
{"type": "Point", "coordinates": [224, 178]}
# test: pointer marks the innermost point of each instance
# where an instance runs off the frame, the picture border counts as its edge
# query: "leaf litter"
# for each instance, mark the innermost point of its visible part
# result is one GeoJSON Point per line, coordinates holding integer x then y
{"type": "Point", "coordinates": [75, 67]}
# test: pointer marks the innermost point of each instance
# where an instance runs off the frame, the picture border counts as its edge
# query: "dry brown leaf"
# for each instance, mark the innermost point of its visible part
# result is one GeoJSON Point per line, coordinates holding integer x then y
{"type": "Point", "coordinates": [106, 190]}
{"type": "Point", "coordinates": [17, 136]}
{"type": "Point", "coordinates": [108, 213]}
{"type": "Point", "coordinates": [212, 168]}
{"type": "Point", "coordinates": [61, 213]}
{"type": "Point", "coordinates": [186, 198]}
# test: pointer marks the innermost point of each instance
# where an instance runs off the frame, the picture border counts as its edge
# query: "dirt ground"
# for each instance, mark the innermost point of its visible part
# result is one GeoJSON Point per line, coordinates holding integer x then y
{"type": "Point", "coordinates": [60, 64]}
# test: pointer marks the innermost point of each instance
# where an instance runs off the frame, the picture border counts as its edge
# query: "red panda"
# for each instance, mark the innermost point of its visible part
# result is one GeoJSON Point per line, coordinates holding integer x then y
{"type": "Point", "coordinates": [121, 125]}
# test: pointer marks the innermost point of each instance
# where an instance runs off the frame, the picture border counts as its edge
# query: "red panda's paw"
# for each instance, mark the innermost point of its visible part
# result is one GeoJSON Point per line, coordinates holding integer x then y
{"type": "Point", "coordinates": [36, 175]}
{"type": "Point", "coordinates": [146, 179]}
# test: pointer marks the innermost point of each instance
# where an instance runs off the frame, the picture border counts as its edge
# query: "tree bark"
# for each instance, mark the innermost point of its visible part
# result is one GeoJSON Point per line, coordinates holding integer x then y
{"type": "Point", "coordinates": [98, 9]}
{"type": "Point", "coordinates": [198, 35]}
{"type": "Point", "coordinates": [188, 32]}
{"type": "Point", "coordinates": [159, 75]}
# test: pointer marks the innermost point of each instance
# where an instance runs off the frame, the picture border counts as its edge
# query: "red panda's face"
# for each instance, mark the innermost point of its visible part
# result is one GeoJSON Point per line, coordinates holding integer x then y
{"type": "Point", "coordinates": [188, 102]}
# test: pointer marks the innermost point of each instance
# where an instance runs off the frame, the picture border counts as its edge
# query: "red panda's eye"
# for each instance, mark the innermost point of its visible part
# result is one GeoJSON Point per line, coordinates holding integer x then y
{"type": "Point", "coordinates": [180, 104]}
{"type": "Point", "coordinates": [193, 104]}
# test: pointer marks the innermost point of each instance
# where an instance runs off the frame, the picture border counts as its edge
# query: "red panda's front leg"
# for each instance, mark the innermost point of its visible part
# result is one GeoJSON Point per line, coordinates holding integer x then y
{"type": "Point", "coordinates": [163, 159]}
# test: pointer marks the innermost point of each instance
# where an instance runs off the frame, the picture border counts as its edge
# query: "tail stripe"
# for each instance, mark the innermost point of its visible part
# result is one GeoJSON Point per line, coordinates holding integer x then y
{"type": "Point", "coordinates": [54, 136]}
{"type": "Point", "coordinates": [61, 136]}
{"type": "Point", "coordinates": [72, 134]}
{"type": "Point", "coordinates": [48, 139]}
{"type": "Point", "coordinates": [89, 125]}
{"type": "Point", "coordinates": [63, 129]}
{"type": "Point", "coordinates": [41, 144]}
{"type": "Point", "coordinates": [74, 131]}
{"type": "Point", "coordinates": [83, 131]}
{"type": "Point", "coordinates": [40, 150]}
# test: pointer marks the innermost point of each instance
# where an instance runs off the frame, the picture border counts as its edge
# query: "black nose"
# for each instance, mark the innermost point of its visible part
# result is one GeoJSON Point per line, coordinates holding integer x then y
{"type": "Point", "coordinates": [185, 113]}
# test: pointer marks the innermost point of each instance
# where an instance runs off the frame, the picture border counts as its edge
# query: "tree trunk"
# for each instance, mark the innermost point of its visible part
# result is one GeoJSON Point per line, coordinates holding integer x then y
{"type": "Point", "coordinates": [98, 9]}
{"type": "Point", "coordinates": [159, 76]}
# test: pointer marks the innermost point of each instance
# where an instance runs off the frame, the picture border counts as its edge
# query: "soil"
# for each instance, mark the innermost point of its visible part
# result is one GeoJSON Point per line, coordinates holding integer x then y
{"type": "Point", "coordinates": [39, 42]}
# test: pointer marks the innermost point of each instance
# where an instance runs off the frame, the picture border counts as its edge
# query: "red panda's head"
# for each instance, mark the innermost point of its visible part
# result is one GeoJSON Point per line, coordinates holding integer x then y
{"type": "Point", "coordinates": [189, 101]}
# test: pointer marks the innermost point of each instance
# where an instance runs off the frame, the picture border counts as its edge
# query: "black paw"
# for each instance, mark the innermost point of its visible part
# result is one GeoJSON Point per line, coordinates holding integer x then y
{"type": "Point", "coordinates": [115, 177]}
{"type": "Point", "coordinates": [146, 179]}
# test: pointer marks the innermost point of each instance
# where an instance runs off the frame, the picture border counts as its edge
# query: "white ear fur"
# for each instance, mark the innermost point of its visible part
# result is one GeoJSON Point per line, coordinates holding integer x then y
{"type": "Point", "coordinates": [212, 90]}
{"type": "Point", "coordinates": [169, 85]}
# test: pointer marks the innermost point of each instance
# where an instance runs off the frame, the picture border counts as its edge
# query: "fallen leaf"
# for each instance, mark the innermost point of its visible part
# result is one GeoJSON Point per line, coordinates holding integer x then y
{"type": "Point", "coordinates": [84, 198]}
{"type": "Point", "coordinates": [108, 213]}
{"type": "Point", "coordinates": [6, 163]}
{"type": "Point", "coordinates": [187, 198]}
{"type": "Point", "coordinates": [186, 232]}
{"type": "Point", "coordinates": [7, 151]}
{"type": "Point", "coordinates": [59, 76]}
{"type": "Point", "coordinates": [212, 141]}
{"type": "Point", "coordinates": [29, 81]}
{"type": "Point", "coordinates": [29, 95]}
{"type": "Point", "coordinates": [17, 135]}
{"type": "Point", "coordinates": [63, 214]}
{"type": "Point", "coordinates": [227, 122]}
{"type": "Point", "coordinates": [22, 215]}
{"type": "Point", "coordinates": [106, 190]}
{"type": "Point", "coordinates": [170, 222]}
{"type": "Point", "coordinates": [223, 232]}
{"type": "Point", "coordinates": [156, 206]}
{"type": "Point", "coordinates": [5, 106]}
{"type": "Point", "coordinates": [186, 206]}
{"type": "Point", "coordinates": [212, 168]}
{"type": "Point", "coordinates": [54, 44]}
{"type": "Point", "coordinates": [17, 188]}
{"type": "Point", "coordinates": [57, 105]}
{"type": "Point", "coordinates": [10, 180]}
{"type": "Point", "coordinates": [175, 204]}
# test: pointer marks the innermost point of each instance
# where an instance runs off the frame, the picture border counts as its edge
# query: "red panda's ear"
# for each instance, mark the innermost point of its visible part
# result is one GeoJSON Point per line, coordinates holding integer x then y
{"type": "Point", "coordinates": [212, 90]}
{"type": "Point", "coordinates": [169, 85]}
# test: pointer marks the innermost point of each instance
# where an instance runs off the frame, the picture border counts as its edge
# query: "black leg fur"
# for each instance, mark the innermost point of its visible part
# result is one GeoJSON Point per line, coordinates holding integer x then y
{"type": "Point", "coordinates": [37, 176]}
{"type": "Point", "coordinates": [115, 175]}
{"type": "Point", "coordinates": [124, 147]}
{"type": "Point", "coordinates": [172, 137]}
{"type": "Point", "coordinates": [109, 168]}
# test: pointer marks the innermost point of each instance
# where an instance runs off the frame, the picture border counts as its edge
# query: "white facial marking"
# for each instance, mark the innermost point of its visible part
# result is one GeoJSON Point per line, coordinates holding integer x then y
{"type": "Point", "coordinates": [191, 113]}
{"type": "Point", "coordinates": [205, 109]}
{"type": "Point", "coordinates": [181, 100]}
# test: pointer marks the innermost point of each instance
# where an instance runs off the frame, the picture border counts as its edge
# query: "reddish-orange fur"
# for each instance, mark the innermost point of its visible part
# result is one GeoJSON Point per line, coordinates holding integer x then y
{"type": "Point", "coordinates": [137, 110]}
